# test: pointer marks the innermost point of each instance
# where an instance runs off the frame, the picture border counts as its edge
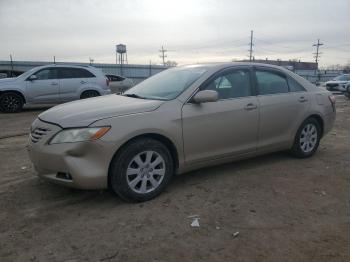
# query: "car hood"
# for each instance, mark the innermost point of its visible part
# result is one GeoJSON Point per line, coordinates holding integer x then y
{"type": "Point", "coordinates": [4, 81]}
{"type": "Point", "coordinates": [85, 112]}
{"type": "Point", "coordinates": [336, 82]}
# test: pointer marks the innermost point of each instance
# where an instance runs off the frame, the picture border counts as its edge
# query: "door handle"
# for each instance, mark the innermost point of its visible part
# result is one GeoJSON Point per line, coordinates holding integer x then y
{"type": "Point", "coordinates": [54, 84]}
{"type": "Point", "coordinates": [82, 82]}
{"type": "Point", "coordinates": [250, 106]}
{"type": "Point", "coordinates": [302, 99]}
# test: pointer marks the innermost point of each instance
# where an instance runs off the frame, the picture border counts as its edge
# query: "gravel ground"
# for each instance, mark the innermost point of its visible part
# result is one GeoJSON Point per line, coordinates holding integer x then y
{"type": "Point", "coordinates": [284, 209]}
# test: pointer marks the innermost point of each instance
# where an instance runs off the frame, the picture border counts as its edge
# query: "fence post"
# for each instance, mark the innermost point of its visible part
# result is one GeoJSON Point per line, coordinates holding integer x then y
{"type": "Point", "coordinates": [150, 68]}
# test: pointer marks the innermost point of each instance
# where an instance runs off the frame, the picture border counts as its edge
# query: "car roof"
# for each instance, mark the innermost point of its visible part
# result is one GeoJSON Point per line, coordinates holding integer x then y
{"type": "Point", "coordinates": [232, 64]}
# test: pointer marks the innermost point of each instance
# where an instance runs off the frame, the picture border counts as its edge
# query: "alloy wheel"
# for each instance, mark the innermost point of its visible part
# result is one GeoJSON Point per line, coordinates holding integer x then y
{"type": "Point", "coordinates": [308, 138]}
{"type": "Point", "coordinates": [145, 172]}
{"type": "Point", "coordinates": [10, 103]}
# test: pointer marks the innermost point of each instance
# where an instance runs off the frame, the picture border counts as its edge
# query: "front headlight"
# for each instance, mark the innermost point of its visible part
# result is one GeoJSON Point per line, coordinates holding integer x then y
{"type": "Point", "coordinates": [79, 134]}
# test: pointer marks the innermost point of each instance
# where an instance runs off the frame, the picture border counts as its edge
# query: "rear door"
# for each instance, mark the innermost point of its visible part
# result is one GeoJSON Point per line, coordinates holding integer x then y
{"type": "Point", "coordinates": [72, 81]}
{"type": "Point", "coordinates": [283, 106]}
{"type": "Point", "coordinates": [224, 128]}
{"type": "Point", "coordinates": [45, 89]}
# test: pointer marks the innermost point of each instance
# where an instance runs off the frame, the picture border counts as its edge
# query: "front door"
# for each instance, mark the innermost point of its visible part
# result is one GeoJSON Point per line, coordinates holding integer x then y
{"type": "Point", "coordinates": [45, 88]}
{"type": "Point", "coordinates": [227, 127]}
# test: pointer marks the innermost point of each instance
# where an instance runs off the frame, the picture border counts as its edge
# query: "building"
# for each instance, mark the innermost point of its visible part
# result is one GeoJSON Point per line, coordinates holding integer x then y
{"type": "Point", "coordinates": [308, 70]}
{"type": "Point", "coordinates": [293, 65]}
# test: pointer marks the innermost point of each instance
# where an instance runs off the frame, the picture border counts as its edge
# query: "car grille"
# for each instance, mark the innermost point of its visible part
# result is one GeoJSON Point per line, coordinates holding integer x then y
{"type": "Point", "coordinates": [38, 133]}
{"type": "Point", "coordinates": [331, 85]}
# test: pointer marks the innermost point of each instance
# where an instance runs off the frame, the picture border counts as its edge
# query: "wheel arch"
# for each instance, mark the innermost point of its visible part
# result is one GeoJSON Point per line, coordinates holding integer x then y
{"type": "Point", "coordinates": [161, 138]}
{"type": "Point", "coordinates": [14, 91]}
{"type": "Point", "coordinates": [320, 121]}
{"type": "Point", "coordinates": [82, 91]}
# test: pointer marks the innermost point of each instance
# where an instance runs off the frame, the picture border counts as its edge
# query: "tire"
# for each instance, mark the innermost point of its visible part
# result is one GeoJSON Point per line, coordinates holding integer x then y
{"type": "Point", "coordinates": [141, 171]}
{"type": "Point", "coordinates": [11, 102]}
{"type": "Point", "coordinates": [307, 139]}
{"type": "Point", "coordinates": [88, 94]}
{"type": "Point", "coordinates": [347, 92]}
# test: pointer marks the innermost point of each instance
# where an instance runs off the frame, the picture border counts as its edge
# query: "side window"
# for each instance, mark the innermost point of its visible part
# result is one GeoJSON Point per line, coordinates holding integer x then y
{"type": "Point", "coordinates": [271, 83]}
{"type": "Point", "coordinates": [66, 73]}
{"type": "Point", "coordinates": [45, 74]}
{"type": "Point", "coordinates": [235, 83]}
{"type": "Point", "coordinates": [82, 73]}
{"type": "Point", "coordinates": [119, 78]}
{"type": "Point", "coordinates": [294, 86]}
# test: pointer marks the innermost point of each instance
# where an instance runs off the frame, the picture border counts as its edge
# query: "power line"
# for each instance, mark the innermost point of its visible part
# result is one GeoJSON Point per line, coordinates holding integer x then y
{"type": "Point", "coordinates": [163, 55]}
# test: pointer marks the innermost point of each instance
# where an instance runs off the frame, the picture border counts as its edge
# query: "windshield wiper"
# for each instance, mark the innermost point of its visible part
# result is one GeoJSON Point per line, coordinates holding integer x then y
{"type": "Point", "coordinates": [134, 96]}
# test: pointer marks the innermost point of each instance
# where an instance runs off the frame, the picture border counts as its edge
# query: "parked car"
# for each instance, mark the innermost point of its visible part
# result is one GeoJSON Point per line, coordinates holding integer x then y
{"type": "Point", "coordinates": [347, 91]}
{"type": "Point", "coordinates": [339, 83]}
{"type": "Point", "coordinates": [51, 84]}
{"type": "Point", "coordinates": [119, 84]}
{"type": "Point", "coordinates": [10, 73]}
{"type": "Point", "coordinates": [181, 119]}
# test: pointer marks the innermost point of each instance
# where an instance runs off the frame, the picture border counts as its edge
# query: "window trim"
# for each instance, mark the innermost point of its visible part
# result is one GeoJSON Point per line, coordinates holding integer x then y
{"type": "Point", "coordinates": [221, 72]}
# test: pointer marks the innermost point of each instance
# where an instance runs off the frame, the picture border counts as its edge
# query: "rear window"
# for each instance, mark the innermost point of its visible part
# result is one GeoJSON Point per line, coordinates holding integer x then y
{"type": "Point", "coordinates": [294, 86]}
{"type": "Point", "coordinates": [114, 78]}
{"type": "Point", "coordinates": [271, 82]}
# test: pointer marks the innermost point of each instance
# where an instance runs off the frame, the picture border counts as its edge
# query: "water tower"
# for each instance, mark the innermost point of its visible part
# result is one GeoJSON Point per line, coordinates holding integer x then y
{"type": "Point", "coordinates": [122, 56]}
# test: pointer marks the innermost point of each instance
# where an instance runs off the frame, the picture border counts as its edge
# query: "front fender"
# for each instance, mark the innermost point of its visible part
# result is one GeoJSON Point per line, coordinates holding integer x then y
{"type": "Point", "coordinates": [13, 88]}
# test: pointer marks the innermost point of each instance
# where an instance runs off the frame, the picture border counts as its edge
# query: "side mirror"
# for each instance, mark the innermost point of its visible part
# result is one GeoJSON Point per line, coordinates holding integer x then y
{"type": "Point", "coordinates": [206, 96]}
{"type": "Point", "coordinates": [32, 78]}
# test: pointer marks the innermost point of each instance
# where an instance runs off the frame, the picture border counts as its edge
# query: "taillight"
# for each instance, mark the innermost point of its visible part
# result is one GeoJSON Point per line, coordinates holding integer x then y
{"type": "Point", "coordinates": [332, 100]}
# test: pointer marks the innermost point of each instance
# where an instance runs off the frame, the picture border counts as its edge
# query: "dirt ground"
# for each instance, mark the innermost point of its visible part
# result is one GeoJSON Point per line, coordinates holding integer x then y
{"type": "Point", "coordinates": [284, 209]}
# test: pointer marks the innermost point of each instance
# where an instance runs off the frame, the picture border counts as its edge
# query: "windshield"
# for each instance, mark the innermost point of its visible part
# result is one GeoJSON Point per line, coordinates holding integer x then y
{"type": "Point", "coordinates": [342, 78]}
{"type": "Point", "coordinates": [168, 84]}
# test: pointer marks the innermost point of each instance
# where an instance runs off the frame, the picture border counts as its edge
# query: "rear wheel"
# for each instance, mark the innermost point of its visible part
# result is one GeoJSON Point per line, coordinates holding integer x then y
{"type": "Point", "coordinates": [141, 170]}
{"type": "Point", "coordinates": [11, 102]}
{"type": "Point", "coordinates": [307, 139]}
{"type": "Point", "coordinates": [88, 94]}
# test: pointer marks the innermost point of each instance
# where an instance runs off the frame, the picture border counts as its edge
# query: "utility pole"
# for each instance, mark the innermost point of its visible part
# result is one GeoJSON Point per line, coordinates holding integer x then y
{"type": "Point", "coordinates": [163, 55]}
{"type": "Point", "coordinates": [91, 60]}
{"type": "Point", "coordinates": [251, 46]}
{"type": "Point", "coordinates": [317, 54]}
{"type": "Point", "coordinates": [54, 59]}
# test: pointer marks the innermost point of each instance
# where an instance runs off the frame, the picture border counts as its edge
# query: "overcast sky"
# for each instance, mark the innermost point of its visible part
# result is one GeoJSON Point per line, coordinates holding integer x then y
{"type": "Point", "coordinates": [192, 30]}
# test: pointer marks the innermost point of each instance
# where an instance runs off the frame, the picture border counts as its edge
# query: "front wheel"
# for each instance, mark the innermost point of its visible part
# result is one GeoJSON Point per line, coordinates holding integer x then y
{"type": "Point", "coordinates": [141, 170]}
{"type": "Point", "coordinates": [11, 102]}
{"type": "Point", "coordinates": [307, 139]}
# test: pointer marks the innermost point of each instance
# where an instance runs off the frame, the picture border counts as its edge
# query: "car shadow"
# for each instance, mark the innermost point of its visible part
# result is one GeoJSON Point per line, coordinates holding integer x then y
{"type": "Point", "coordinates": [71, 196]}
{"type": "Point", "coordinates": [37, 107]}
{"type": "Point", "coordinates": [233, 167]}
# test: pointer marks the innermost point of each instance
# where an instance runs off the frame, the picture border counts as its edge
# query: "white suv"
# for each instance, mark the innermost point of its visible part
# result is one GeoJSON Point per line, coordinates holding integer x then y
{"type": "Point", "coordinates": [339, 83]}
{"type": "Point", "coordinates": [51, 84]}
